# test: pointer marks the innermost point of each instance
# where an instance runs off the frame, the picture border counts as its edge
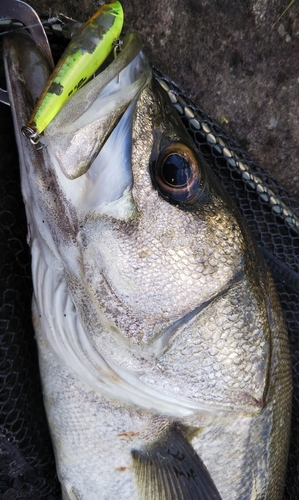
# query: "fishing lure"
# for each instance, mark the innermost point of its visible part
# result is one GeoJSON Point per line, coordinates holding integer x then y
{"type": "Point", "coordinates": [86, 52]}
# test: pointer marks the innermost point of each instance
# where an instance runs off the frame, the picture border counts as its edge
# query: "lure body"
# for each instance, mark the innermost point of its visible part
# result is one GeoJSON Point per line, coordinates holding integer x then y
{"type": "Point", "coordinates": [84, 55]}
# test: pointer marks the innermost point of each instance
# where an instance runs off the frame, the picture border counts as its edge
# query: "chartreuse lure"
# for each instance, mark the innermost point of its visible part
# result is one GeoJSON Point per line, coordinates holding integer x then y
{"type": "Point", "coordinates": [86, 52]}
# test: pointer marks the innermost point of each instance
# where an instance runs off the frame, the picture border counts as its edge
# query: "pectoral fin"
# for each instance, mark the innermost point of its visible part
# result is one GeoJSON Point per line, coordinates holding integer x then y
{"type": "Point", "coordinates": [171, 470]}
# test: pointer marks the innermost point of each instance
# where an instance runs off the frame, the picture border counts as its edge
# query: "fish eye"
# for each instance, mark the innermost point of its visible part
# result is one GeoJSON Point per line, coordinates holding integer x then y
{"type": "Point", "coordinates": [175, 170]}
{"type": "Point", "coordinates": [177, 173]}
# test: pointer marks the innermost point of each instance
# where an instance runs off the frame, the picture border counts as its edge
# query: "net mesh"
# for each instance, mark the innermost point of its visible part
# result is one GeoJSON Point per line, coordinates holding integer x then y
{"type": "Point", "coordinates": [27, 468]}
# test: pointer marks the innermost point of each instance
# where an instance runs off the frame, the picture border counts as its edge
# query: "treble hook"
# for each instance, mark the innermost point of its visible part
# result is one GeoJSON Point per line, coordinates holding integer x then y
{"type": "Point", "coordinates": [118, 43]}
{"type": "Point", "coordinates": [20, 11]}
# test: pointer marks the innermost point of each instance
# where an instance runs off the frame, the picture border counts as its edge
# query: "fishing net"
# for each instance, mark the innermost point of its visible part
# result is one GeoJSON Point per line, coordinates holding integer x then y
{"type": "Point", "coordinates": [27, 467]}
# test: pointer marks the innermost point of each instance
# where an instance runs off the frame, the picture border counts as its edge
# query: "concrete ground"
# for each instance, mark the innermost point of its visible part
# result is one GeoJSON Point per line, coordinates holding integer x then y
{"type": "Point", "coordinates": [229, 58]}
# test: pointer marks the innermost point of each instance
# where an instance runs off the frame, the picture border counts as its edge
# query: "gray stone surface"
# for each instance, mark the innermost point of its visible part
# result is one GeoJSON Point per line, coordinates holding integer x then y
{"type": "Point", "coordinates": [227, 56]}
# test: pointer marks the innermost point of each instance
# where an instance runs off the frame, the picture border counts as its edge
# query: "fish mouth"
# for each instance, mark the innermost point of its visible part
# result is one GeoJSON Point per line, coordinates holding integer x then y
{"type": "Point", "coordinates": [77, 144]}
{"type": "Point", "coordinates": [79, 131]}
{"type": "Point", "coordinates": [91, 136]}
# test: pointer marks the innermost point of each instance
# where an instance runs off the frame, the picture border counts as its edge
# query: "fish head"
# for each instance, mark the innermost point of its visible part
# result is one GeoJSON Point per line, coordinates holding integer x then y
{"type": "Point", "coordinates": [137, 245]}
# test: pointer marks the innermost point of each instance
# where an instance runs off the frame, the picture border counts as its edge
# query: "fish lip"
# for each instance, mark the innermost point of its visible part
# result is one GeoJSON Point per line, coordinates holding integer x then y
{"type": "Point", "coordinates": [80, 130]}
{"type": "Point", "coordinates": [165, 340]}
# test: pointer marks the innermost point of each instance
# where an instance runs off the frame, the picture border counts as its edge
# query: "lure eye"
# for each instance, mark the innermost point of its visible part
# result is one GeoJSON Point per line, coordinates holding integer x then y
{"type": "Point", "coordinates": [177, 173]}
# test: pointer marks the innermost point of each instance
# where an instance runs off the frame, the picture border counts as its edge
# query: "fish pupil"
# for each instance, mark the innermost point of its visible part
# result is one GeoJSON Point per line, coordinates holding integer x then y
{"type": "Point", "coordinates": [175, 170]}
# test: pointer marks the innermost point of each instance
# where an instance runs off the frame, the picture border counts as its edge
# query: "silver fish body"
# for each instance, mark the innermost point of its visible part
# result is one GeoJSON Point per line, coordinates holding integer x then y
{"type": "Point", "coordinates": [161, 340]}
